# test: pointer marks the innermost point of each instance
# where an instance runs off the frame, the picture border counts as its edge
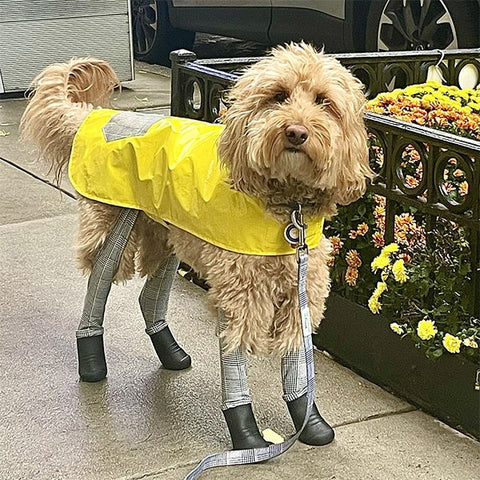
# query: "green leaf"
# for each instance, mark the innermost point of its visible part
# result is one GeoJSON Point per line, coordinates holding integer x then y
{"type": "Point", "coordinates": [434, 353]}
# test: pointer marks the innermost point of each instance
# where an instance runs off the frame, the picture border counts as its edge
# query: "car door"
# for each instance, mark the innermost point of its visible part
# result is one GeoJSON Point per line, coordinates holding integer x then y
{"type": "Point", "coordinates": [248, 19]}
{"type": "Point", "coordinates": [321, 22]}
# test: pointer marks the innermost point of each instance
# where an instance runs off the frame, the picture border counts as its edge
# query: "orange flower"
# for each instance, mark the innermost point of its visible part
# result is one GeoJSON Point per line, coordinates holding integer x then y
{"type": "Point", "coordinates": [463, 189]}
{"type": "Point", "coordinates": [337, 245]}
{"type": "Point", "coordinates": [379, 211]}
{"type": "Point", "coordinates": [404, 219]}
{"type": "Point", "coordinates": [353, 259]}
{"type": "Point", "coordinates": [404, 224]}
{"type": "Point", "coordinates": [411, 182]}
{"type": "Point", "coordinates": [378, 240]}
{"type": "Point", "coordinates": [351, 276]}
{"type": "Point", "coordinates": [449, 187]}
{"type": "Point", "coordinates": [362, 229]}
{"type": "Point", "coordinates": [401, 237]}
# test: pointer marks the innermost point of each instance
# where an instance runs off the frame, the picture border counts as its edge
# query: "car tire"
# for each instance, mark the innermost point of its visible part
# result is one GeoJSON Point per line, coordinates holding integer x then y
{"type": "Point", "coordinates": [413, 25]}
{"type": "Point", "coordinates": [153, 35]}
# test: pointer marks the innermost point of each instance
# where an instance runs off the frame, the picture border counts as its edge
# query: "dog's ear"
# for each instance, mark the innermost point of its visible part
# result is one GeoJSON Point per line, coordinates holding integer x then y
{"type": "Point", "coordinates": [353, 168]}
{"type": "Point", "coordinates": [233, 143]}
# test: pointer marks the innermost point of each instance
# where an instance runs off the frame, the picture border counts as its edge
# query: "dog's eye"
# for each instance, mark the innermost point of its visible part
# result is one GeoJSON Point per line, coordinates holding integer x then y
{"type": "Point", "coordinates": [281, 96]}
{"type": "Point", "coordinates": [322, 100]}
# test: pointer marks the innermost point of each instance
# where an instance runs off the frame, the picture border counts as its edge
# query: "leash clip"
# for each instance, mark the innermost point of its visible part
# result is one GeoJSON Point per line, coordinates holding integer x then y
{"type": "Point", "coordinates": [295, 232]}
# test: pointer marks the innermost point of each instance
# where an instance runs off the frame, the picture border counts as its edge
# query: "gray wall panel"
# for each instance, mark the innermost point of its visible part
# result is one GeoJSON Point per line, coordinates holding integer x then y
{"type": "Point", "coordinates": [19, 10]}
{"type": "Point", "coordinates": [27, 47]}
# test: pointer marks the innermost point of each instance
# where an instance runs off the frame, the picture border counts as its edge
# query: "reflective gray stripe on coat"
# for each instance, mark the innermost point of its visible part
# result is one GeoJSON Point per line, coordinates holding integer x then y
{"type": "Point", "coordinates": [129, 124]}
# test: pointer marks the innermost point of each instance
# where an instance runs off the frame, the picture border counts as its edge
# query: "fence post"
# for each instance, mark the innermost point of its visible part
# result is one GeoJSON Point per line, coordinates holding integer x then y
{"type": "Point", "coordinates": [179, 58]}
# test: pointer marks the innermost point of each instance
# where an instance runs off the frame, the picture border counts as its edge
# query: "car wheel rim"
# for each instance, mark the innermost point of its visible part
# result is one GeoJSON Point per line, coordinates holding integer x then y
{"type": "Point", "coordinates": [416, 25]}
{"type": "Point", "coordinates": [144, 23]}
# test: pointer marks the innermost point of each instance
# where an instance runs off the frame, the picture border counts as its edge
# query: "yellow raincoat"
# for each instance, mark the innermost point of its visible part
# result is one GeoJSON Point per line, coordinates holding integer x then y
{"type": "Point", "coordinates": [168, 168]}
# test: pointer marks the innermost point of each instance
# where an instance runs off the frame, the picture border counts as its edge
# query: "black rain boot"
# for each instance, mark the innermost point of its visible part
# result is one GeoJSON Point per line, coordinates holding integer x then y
{"type": "Point", "coordinates": [317, 431]}
{"type": "Point", "coordinates": [172, 356]}
{"type": "Point", "coordinates": [243, 428]}
{"type": "Point", "coordinates": [92, 366]}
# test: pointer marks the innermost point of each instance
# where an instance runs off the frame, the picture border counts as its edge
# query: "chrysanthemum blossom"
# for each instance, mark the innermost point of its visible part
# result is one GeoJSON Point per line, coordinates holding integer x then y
{"type": "Point", "coordinates": [351, 276]}
{"type": "Point", "coordinates": [374, 305]}
{"type": "Point", "coordinates": [426, 329]}
{"type": "Point", "coordinates": [470, 342]}
{"type": "Point", "coordinates": [398, 270]}
{"type": "Point", "coordinates": [390, 248]}
{"type": "Point", "coordinates": [380, 262]}
{"type": "Point", "coordinates": [381, 287]}
{"type": "Point", "coordinates": [396, 328]}
{"type": "Point", "coordinates": [353, 259]}
{"type": "Point", "coordinates": [452, 343]}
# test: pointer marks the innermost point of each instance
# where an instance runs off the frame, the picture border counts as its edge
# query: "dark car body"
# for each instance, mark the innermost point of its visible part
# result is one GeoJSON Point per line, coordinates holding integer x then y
{"type": "Point", "coordinates": [337, 25]}
{"type": "Point", "coordinates": [269, 21]}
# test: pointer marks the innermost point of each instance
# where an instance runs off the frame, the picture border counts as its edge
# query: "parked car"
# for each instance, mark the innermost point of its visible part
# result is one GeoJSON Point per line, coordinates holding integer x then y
{"type": "Point", "coordinates": [160, 26]}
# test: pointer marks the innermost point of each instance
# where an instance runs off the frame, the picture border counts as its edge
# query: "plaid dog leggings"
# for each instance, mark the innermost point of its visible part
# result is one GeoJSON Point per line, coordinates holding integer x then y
{"type": "Point", "coordinates": [155, 293]}
{"type": "Point", "coordinates": [233, 369]}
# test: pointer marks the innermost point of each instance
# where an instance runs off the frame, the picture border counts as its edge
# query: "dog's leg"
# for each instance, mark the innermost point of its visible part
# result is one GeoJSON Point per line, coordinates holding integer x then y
{"type": "Point", "coordinates": [92, 366]}
{"type": "Point", "coordinates": [154, 303]}
{"type": "Point", "coordinates": [294, 379]}
{"type": "Point", "coordinates": [236, 400]}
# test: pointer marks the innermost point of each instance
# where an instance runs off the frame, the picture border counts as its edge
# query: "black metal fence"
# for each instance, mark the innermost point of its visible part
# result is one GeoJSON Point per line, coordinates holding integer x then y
{"type": "Point", "coordinates": [198, 85]}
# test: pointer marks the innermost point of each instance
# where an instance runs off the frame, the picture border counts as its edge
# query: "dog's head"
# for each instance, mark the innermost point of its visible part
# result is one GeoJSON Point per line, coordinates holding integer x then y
{"type": "Point", "coordinates": [297, 116]}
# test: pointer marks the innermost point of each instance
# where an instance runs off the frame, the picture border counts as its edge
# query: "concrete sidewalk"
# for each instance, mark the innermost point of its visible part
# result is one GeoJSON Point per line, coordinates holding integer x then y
{"type": "Point", "coordinates": [145, 422]}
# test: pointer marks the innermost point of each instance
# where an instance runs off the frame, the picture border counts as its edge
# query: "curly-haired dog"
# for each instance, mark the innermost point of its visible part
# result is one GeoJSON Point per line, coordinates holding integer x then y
{"type": "Point", "coordinates": [293, 135]}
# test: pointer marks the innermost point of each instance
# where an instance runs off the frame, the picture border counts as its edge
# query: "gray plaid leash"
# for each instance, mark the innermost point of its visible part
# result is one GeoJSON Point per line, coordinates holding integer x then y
{"type": "Point", "coordinates": [256, 455]}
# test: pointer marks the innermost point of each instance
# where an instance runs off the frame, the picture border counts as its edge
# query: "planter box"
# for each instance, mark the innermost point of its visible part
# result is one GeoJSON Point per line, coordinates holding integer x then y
{"type": "Point", "coordinates": [364, 342]}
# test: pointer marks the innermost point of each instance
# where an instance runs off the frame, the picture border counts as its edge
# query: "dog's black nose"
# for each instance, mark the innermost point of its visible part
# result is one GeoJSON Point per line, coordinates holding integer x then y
{"type": "Point", "coordinates": [296, 134]}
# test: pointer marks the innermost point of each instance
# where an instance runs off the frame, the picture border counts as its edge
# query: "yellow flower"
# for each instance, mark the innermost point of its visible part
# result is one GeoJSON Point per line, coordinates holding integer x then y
{"type": "Point", "coordinates": [396, 328]}
{"type": "Point", "coordinates": [398, 270]}
{"type": "Point", "coordinates": [392, 247]}
{"type": "Point", "coordinates": [470, 342]}
{"type": "Point", "coordinates": [374, 305]}
{"type": "Point", "coordinates": [426, 329]}
{"type": "Point", "coordinates": [380, 262]}
{"type": "Point", "coordinates": [381, 287]}
{"type": "Point", "coordinates": [451, 343]}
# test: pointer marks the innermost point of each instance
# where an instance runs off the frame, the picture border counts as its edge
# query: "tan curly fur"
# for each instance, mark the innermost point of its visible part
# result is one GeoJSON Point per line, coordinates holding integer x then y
{"type": "Point", "coordinates": [295, 85]}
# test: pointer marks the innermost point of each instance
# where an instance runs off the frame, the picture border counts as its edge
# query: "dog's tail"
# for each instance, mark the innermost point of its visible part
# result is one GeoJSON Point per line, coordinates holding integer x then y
{"type": "Point", "coordinates": [62, 96]}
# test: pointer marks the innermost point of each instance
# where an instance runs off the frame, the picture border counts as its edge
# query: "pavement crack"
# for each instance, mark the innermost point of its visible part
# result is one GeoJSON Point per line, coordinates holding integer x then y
{"type": "Point", "coordinates": [160, 472]}
{"type": "Point", "coordinates": [36, 177]}
{"type": "Point", "coordinates": [376, 416]}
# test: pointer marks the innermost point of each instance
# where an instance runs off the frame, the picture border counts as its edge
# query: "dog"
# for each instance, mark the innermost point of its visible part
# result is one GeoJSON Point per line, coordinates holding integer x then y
{"type": "Point", "coordinates": [292, 137]}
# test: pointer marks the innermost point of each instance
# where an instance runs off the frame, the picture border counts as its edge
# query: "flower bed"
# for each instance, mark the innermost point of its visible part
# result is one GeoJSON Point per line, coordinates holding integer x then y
{"type": "Point", "coordinates": [418, 286]}
{"type": "Point", "coordinates": [423, 286]}
{"type": "Point", "coordinates": [399, 254]}
{"type": "Point", "coordinates": [426, 202]}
